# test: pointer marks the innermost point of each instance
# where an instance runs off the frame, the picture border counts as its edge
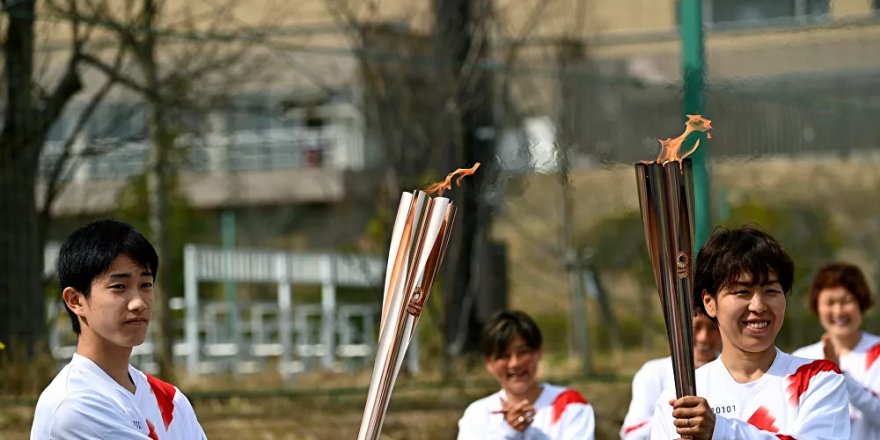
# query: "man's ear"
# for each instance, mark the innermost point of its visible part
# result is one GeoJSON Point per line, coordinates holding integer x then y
{"type": "Point", "coordinates": [74, 300]}
{"type": "Point", "coordinates": [709, 304]}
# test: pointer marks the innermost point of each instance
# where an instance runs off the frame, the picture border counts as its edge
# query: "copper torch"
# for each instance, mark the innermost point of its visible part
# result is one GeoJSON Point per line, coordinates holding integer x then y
{"type": "Point", "coordinates": [418, 244]}
{"type": "Point", "coordinates": [666, 201]}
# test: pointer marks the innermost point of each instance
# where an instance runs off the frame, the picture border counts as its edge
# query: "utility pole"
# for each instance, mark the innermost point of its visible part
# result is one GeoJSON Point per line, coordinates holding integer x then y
{"type": "Point", "coordinates": [693, 77]}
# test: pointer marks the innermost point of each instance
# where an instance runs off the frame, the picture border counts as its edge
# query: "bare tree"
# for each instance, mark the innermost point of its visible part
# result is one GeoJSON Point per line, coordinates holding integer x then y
{"type": "Point", "coordinates": [429, 99]}
{"type": "Point", "coordinates": [29, 111]}
{"type": "Point", "coordinates": [179, 61]}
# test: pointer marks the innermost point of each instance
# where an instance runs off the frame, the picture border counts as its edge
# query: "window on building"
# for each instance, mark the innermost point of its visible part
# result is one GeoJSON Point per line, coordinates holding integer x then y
{"type": "Point", "coordinates": [251, 113]}
{"type": "Point", "coordinates": [817, 8]}
{"type": "Point", "coordinates": [750, 11]}
{"type": "Point", "coordinates": [120, 121]}
{"type": "Point", "coordinates": [761, 12]}
{"type": "Point", "coordinates": [60, 128]}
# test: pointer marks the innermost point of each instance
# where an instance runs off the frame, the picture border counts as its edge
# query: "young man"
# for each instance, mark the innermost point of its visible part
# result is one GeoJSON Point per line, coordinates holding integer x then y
{"type": "Point", "coordinates": [523, 408]}
{"type": "Point", "coordinates": [106, 272]}
{"type": "Point", "coordinates": [753, 390]}
{"type": "Point", "coordinates": [655, 375]}
{"type": "Point", "coordinates": [840, 296]}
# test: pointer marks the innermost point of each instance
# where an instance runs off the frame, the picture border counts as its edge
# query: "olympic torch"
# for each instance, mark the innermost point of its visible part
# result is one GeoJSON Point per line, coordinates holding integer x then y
{"type": "Point", "coordinates": [418, 244]}
{"type": "Point", "coordinates": [666, 201]}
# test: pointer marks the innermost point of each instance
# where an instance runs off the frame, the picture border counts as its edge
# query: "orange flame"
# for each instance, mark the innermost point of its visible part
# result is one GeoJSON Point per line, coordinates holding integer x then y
{"type": "Point", "coordinates": [440, 187]}
{"type": "Point", "coordinates": [670, 148]}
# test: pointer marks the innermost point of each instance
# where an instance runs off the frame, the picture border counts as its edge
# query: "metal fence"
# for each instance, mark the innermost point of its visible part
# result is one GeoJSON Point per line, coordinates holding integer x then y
{"type": "Point", "coordinates": [292, 336]}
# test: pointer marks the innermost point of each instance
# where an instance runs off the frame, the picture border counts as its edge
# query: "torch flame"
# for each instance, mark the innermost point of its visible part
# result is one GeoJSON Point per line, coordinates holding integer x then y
{"type": "Point", "coordinates": [440, 187]}
{"type": "Point", "coordinates": [670, 148]}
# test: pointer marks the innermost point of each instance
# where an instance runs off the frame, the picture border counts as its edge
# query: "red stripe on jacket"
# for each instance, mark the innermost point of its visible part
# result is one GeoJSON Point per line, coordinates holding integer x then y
{"type": "Point", "coordinates": [799, 381]}
{"type": "Point", "coordinates": [562, 400]}
{"type": "Point", "coordinates": [873, 354]}
{"type": "Point", "coordinates": [164, 392]}
{"type": "Point", "coordinates": [632, 428]}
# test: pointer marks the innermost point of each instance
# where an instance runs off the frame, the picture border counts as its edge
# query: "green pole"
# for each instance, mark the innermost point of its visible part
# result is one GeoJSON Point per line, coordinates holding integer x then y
{"type": "Point", "coordinates": [693, 77]}
{"type": "Point", "coordinates": [227, 227]}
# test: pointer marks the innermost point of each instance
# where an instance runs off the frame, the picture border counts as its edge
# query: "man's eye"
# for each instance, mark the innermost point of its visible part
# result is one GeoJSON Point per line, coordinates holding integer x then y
{"type": "Point", "coordinates": [118, 286]}
{"type": "Point", "coordinates": [147, 285]}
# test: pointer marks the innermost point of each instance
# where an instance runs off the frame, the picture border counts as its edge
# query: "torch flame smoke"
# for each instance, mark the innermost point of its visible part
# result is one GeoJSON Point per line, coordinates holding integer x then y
{"type": "Point", "coordinates": [670, 148]}
{"type": "Point", "coordinates": [440, 187]}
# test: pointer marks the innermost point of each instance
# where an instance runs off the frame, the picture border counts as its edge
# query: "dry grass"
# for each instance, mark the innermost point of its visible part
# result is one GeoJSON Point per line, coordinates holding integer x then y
{"type": "Point", "coordinates": [419, 410]}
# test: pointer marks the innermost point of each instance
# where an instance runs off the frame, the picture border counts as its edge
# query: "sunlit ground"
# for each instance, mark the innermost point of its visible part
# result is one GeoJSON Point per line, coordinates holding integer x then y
{"type": "Point", "coordinates": [329, 406]}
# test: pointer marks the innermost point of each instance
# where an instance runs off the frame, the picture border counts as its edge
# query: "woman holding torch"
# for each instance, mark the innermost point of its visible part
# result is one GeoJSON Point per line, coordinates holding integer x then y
{"type": "Point", "coordinates": [523, 408]}
{"type": "Point", "coordinates": [840, 295]}
{"type": "Point", "coordinates": [753, 390]}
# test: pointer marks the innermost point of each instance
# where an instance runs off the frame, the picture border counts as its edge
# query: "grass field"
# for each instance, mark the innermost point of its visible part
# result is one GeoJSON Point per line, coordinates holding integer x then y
{"type": "Point", "coordinates": [418, 410]}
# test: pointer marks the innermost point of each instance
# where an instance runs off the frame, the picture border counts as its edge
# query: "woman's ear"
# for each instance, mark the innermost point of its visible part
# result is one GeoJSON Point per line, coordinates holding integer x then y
{"type": "Point", "coordinates": [74, 300]}
{"type": "Point", "coordinates": [709, 304]}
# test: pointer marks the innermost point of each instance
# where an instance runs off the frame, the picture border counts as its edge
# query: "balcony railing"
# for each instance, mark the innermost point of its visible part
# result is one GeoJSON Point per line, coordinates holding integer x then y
{"type": "Point", "coordinates": [336, 147]}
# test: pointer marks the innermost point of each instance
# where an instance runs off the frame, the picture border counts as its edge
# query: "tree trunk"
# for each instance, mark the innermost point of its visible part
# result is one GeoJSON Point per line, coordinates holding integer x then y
{"type": "Point", "coordinates": [157, 190]}
{"type": "Point", "coordinates": [570, 56]}
{"type": "Point", "coordinates": [467, 95]}
{"type": "Point", "coordinates": [22, 303]}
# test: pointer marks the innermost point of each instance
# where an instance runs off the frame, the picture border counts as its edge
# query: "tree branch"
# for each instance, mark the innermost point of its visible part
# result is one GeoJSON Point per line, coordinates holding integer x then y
{"type": "Point", "coordinates": [53, 184]}
{"type": "Point", "coordinates": [70, 84]}
{"type": "Point", "coordinates": [116, 75]}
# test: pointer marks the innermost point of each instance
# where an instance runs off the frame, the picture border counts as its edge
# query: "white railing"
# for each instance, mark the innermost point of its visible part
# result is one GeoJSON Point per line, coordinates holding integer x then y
{"type": "Point", "coordinates": [294, 335]}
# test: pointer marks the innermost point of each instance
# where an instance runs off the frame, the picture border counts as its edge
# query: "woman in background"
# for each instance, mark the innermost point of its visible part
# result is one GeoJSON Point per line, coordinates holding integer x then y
{"type": "Point", "coordinates": [840, 296]}
{"type": "Point", "coordinates": [523, 408]}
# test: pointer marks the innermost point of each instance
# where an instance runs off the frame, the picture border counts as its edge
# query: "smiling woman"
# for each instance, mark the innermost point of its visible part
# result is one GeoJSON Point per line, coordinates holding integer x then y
{"type": "Point", "coordinates": [840, 296]}
{"type": "Point", "coordinates": [511, 343]}
{"type": "Point", "coordinates": [753, 390]}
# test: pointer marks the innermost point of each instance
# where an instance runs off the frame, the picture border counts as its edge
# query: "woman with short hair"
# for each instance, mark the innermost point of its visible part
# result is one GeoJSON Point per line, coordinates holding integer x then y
{"type": "Point", "coordinates": [523, 408]}
{"type": "Point", "coordinates": [840, 296]}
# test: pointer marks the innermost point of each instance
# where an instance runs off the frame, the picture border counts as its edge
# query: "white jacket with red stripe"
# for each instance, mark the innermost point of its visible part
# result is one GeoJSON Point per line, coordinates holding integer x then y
{"type": "Point", "coordinates": [83, 402]}
{"type": "Point", "coordinates": [796, 398]}
{"type": "Point", "coordinates": [647, 384]}
{"type": "Point", "coordinates": [560, 413]}
{"type": "Point", "coordinates": [862, 372]}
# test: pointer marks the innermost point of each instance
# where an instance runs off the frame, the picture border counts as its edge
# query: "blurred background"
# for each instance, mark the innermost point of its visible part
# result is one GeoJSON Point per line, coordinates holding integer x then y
{"type": "Point", "coordinates": [262, 146]}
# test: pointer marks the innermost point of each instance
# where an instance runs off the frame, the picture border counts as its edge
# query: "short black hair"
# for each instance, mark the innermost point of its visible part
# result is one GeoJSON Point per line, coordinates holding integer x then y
{"type": "Point", "coordinates": [503, 327]}
{"type": "Point", "coordinates": [90, 250]}
{"type": "Point", "coordinates": [729, 253]}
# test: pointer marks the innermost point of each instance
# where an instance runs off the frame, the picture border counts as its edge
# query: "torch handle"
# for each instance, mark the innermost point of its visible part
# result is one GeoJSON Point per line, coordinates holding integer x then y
{"type": "Point", "coordinates": [666, 204]}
